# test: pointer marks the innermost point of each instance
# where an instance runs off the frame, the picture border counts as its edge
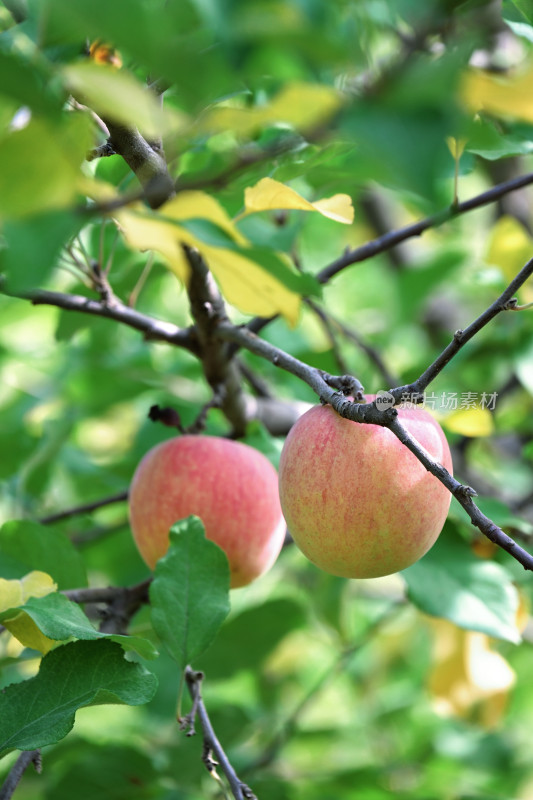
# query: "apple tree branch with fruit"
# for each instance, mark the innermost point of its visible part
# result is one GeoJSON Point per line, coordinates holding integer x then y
{"type": "Point", "coordinates": [259, 356]}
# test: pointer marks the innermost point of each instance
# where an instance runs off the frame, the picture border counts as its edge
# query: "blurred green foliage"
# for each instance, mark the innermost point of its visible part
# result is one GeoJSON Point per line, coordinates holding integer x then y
{"type": "Point", "coordinates": [317, 687]}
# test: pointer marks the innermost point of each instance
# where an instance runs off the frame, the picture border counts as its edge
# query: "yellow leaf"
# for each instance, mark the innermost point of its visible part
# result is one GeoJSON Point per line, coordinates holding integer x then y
{"type": "Point", "coordinates": [14, 593]}
{"type": "Point", "coordinates": [456, 146]}
{"type": "Point", "coordinates": [120, 97]}
{"type": "Point", "coordinates": [146, 231]}
{"type": "Point", "coordinates": [270, 195]}
{"type": "Point", "coordinates": [469, 422]}
{"type": "Point", "coordinates": [503, 96]}
{"type": "Point", "coordinates": [191, 205]}
{"type": "Point", "coordinates": [244, 284]}
{"type": "Point", "coordinates": [468, 678]}
{"type": "Point", "coordinates": [510, 247]}
{"type": "Point", "coordinates": [96, 189]}
{"type": "Point", "coordinates": [302, 105]}
{"type": "Point", "coordinates": [24, 629]}
{"type": "Point", "coordinates": [249, 287]}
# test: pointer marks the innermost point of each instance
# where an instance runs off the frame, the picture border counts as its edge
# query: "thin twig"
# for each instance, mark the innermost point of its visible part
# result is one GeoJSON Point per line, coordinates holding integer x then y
{"type": "Point", "coordinates": [153, 329]}
{"type": "Point", "coordinates": [330, 333]}
{"type": "Point", "coordinates": [392, 238]}
{"type": "Point", "coordinates": [85, 508]}
{"type": "Point", "coordinates": [505, 302]}
{"type": "Point", "coordinates": [349, 333]}
{"type": "Point", "coordinates": [212, 746]}
{"type": "Point", "coordinates": [135, 292]}
{"type": "Point", "coordinates": [17, 771]}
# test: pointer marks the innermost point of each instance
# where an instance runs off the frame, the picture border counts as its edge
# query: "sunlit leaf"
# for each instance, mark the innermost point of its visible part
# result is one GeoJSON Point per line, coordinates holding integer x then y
{"type": "Point", "coordinates": [302, 105]}
{"type": "Point", "coordinates": [510, 247]}
{"type": "Point", "coordinates": [59, 619]}
{"type": "Point", "coordinates": [254, 285]}
{"type": "Point", "coordinates": [269, 195]}
{"type": "Point", "coordinates": [51, 155]}
{"type": "Point", "coordinates": [117, 95]}
{"type": "Point", "coordinates": [503, 96]}
{"type": "Point", "coordinates": [468, 679]}
{"type": "Point", "coordinates": [469, 422]}
{"type": "Point", "coordinates": [456, 146]}
{"type": "Point", "coordinates": [15, 593]}
{"type": "Point", "coordinates": [40, 711]}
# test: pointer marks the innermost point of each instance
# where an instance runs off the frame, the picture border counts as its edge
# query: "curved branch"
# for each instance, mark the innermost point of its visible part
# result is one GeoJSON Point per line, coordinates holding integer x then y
{"type": "Point", "coordinates": [85, 508]}
{"type": "Point", "coordinates": [212, 746]}
{"type": "Point", "coordinates": [505, 302]}
{"type": "Point", "coordinates": [221, 370]}
{"type": "Point", "coordinates": [393, 238]}
{"type": "Point", "coordinates": [153, 329]}
{"type": "Point", "coordinates": [17, 771]}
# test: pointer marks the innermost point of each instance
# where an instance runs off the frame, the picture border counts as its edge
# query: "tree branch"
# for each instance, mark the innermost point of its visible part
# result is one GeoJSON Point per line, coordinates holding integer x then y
{"type": "Point", "coordinates": [222, 372]}
{"type": "Point", "coordinates": [153, 329]}
{"type": "Point", "coordinates": [505, 302]}
{"type": "Point", "coordinates": [147, 163]}
{"type": "Point", "coordinates": [393, 238]}
{"type": "Point", "coordinates": [85, 508]}
{"type": "Point", "coordinates": [330, 323]}
{"type": "Point", "coordinates": [17, 771]}
{"type": "Point", "coordinates": [212, 746]}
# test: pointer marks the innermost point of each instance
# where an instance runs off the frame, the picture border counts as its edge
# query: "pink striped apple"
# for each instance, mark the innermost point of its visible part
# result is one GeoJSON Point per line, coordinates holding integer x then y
{"type": "Point", "coordinates": [356, 501]}
{"type": "Point", "coordinates": [232, 487]}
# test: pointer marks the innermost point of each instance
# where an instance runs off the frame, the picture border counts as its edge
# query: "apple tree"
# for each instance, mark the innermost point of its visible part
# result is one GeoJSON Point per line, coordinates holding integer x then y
{"type": "Point", "coordinates": [213, 217]}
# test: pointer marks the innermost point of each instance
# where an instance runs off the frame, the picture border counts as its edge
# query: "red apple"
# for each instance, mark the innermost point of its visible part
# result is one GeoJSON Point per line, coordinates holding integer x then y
{"type": "Point", "coordinates": [356, 501]}
{"type": "Point", "coordinates": [229, 485]}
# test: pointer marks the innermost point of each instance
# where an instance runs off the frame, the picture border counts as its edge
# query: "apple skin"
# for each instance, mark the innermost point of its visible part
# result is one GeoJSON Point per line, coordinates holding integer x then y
{"type": "Point", "coordinates": [356, 501]}
{"type": "Point", "coordinates": [232, 487]}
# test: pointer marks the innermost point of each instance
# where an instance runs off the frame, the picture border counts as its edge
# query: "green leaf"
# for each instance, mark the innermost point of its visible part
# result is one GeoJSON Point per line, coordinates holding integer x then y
{"type": "Point", "coordinates": [41, 711]}
{"type": "Point", "coordinates": [40, 165]}
{"type": "Point", "coordinates": [25, 546]}
{"type": "Point", "coordinates": [190, 592]}
{"type": "Point", "coordinates": [59, 618]}
{"type": "Point", "coordinates": [520, 9]}
{"type": "Point", "coordinates": [33, 245]}
{"type": "Point", "coordinates": [109, 770]}
{"type": "Point", "coordinates": [419, 158]}
{"type": "Point", "coordinates": [117, 95]}
{"type": "Point", "coordinates": [26, 84]}
{"type": "Point", "coordinates": [487, 141]}
{"type": "Point", "coordinates": [261, 627]}
{"type": "Point", "coordinates": [475, 594]}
